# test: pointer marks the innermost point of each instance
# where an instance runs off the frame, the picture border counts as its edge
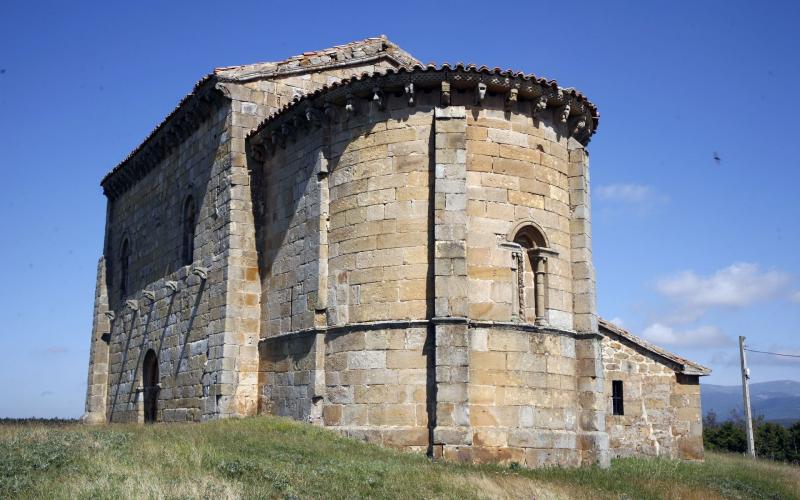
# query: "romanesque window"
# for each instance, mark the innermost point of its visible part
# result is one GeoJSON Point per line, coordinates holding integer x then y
{"type": "Point", "coordinates": [124, 262]}
{"type": "Point", "coordinates": [617, 404]}
{"type": "Point", "coordinates": [187, 248]}
{"type": "Point", "coordinates": [531, 272]}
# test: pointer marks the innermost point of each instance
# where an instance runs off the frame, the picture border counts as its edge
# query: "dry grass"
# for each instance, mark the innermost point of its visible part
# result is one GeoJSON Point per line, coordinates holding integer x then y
{"type": "Point", "coordinates": [273, 458]}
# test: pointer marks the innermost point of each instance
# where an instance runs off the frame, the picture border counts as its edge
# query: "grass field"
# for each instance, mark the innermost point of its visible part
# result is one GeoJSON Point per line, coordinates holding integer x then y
{"type": "Point", "coordinates": [273, 458]}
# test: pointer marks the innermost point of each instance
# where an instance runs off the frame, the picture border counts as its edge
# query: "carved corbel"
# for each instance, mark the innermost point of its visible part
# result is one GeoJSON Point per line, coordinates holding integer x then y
{"type": "Point", "coordinates": [298, 122]}
{"type": "Point", "coordinates": [540, 105]}
{"type": "Point", "coordinates": [410, 93]}
{"type": "Point", "coordinates": [258, 152]}
{"type": "Point", "coordinates": [349, 106]}
{"type": "Point", "coordinates": [269, 148]}
{"type": "Point", "coordinates": [329, 112]}
{"type": "Point", "coordinates": [511, 99]}
{"type": "Point", "coordinates": [445, 98]}
{"type": "Point", "coordinates": [287, 131]}
{"type": "Point", "coordinates": [312, 116]}
{"type": "Point", "coordinates": [132, 305]}
{"type": "Point", "coordinates": [565, 109]}
{"type": "Point", "coordinates": [578, 127]}
{"type": "Point", "coordinates": [150, 295]}
{"type": "Point", "coordinates": [480, 93]}
{"type": "Point", "coordinates": [110, 315]}
{"type": "Point", "coordinates": [377, 97]}
{"type": "Point", "coordinates": [282, 135]}
{"type": "Point", "coordinates": [172, 286]}
{"type": "Point", "coordinates": [201, 272]}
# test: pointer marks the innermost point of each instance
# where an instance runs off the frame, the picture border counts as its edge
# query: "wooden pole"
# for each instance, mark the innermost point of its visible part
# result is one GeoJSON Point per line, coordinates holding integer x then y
{"type": "Point", "coordinates": [748, 417]}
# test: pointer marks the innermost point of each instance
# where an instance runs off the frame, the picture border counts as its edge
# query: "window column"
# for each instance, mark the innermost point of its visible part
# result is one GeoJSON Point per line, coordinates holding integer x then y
{"type": "Point", "coordinates": [538, 257]}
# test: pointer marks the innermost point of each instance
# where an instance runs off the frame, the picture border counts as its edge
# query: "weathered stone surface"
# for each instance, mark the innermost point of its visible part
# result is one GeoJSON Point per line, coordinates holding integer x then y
{"type": "Point", "coordinates": [410, 266]}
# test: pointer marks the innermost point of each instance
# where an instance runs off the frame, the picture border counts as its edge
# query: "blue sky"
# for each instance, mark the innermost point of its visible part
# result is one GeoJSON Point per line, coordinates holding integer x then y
{"type": "Point", "coordinates": [690, 251]}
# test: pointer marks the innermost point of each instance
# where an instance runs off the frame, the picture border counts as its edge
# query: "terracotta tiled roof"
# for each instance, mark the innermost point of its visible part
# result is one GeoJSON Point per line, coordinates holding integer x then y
{"type": "Point", "coordinates": [341, 55]}
{"type": "Point", "coordinates": [685, 366]}
{"type": "Point", "coordinates": [458, 68]}
{"type": "Point", "coordinates": [349, 53]}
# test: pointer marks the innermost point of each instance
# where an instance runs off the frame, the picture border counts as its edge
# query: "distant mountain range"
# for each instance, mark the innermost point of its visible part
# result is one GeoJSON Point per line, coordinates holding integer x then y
{"type": "Point", "coordinates": [778, 401]}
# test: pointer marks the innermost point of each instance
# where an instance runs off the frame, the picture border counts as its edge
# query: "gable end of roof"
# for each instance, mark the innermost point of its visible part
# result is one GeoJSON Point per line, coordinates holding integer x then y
{"type": "Point", "coordinates": [684, 366]}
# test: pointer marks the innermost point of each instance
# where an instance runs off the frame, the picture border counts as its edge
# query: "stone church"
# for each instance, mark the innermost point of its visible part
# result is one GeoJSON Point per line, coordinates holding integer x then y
{"type": "Point", "coordinates": [397, 251]}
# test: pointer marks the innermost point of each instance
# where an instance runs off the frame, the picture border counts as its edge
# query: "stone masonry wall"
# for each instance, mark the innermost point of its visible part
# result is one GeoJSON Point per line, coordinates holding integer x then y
{"type": "Point", "coordinates": [662, 414]}
{"type": "Point", "coordinates": [216, 324]}
{"type": "Point", "coordinates": [175, 324]}
{"type": "Point", "coordinates": [517, 172]}
{"type": "Point", "coordinates": [289, 200]}
{"type": "Point", "coordinates": [363, 188]}
{"type": "Point", "coordinates": [419, 201]}
{"type": "Point", "coordinates": [523, 398]}
{"type": "Point", "coordinates": [251, 102]}
{"type": "Point", "coordinates": [379, 221]}
{"type": "Point", "coordinates": [377, 385]}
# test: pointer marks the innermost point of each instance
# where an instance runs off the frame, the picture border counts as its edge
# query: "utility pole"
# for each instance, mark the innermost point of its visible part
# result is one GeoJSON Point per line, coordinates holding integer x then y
{"type": "Point", "coordinates": [748, 417]}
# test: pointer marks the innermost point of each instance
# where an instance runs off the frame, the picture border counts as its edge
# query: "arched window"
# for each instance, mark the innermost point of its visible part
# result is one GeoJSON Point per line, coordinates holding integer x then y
{"type": "Point", "coordinates": [187, 249]}
{"type": "Point", "coordinates": [124, 262]}
{"type": "Point", "coordinates": [532, 262]}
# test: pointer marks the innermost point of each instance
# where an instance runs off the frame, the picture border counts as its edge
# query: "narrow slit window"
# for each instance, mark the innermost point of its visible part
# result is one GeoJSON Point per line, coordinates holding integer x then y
{"type": "Point", "coordinates": [617, 405]}
{"type": "Point", "coordinates": [187, 255]}
{"type": "Point", "coordinates": [125, 256]}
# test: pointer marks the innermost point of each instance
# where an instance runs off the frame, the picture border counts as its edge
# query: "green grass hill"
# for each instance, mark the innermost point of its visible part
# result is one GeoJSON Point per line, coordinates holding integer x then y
{"type": "Point", "coordinates": [264, 457]}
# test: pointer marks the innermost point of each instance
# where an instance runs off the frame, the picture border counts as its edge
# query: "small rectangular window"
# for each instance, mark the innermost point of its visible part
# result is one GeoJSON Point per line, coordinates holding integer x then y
{"type": "Point", "coordinates": [617, 406]}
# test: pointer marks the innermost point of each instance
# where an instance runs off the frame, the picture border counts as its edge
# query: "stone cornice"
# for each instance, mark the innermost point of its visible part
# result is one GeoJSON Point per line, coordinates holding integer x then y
{"type": "Point", "coordinates": [417, 323]}
{"type": "Point", "coordinates": [181, 123]}
{"type": "Point", "coordinates": [206, 95]}
{"type": "Point", "coordinates": [335, 102]}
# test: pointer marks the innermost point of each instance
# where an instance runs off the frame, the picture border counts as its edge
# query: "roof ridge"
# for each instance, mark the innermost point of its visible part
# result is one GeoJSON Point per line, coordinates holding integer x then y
{"type": "Point", "coordinates": [388, 44]}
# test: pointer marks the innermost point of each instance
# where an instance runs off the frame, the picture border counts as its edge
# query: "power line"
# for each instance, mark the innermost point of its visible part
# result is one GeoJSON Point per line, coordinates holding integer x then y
{"type": "Point", "coordinates": [774, 353]}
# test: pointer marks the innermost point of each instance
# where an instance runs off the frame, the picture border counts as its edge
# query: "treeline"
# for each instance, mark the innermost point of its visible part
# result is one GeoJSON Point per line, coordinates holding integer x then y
{"type": "Point", "coordinates": [55, 422]}
{"type": "Point", "coordinates": [772, 440]}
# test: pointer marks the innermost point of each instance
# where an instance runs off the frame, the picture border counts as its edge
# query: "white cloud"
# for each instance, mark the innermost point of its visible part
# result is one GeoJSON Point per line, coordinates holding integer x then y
{"type": "Point", "coordinates": [618, 321]}
{"type": "Point", "coordinates": [738, 285]}
{"type": "Point", "coordinates": [636, 194]}
{"type": "Point", "coordinates": [703, 336]}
